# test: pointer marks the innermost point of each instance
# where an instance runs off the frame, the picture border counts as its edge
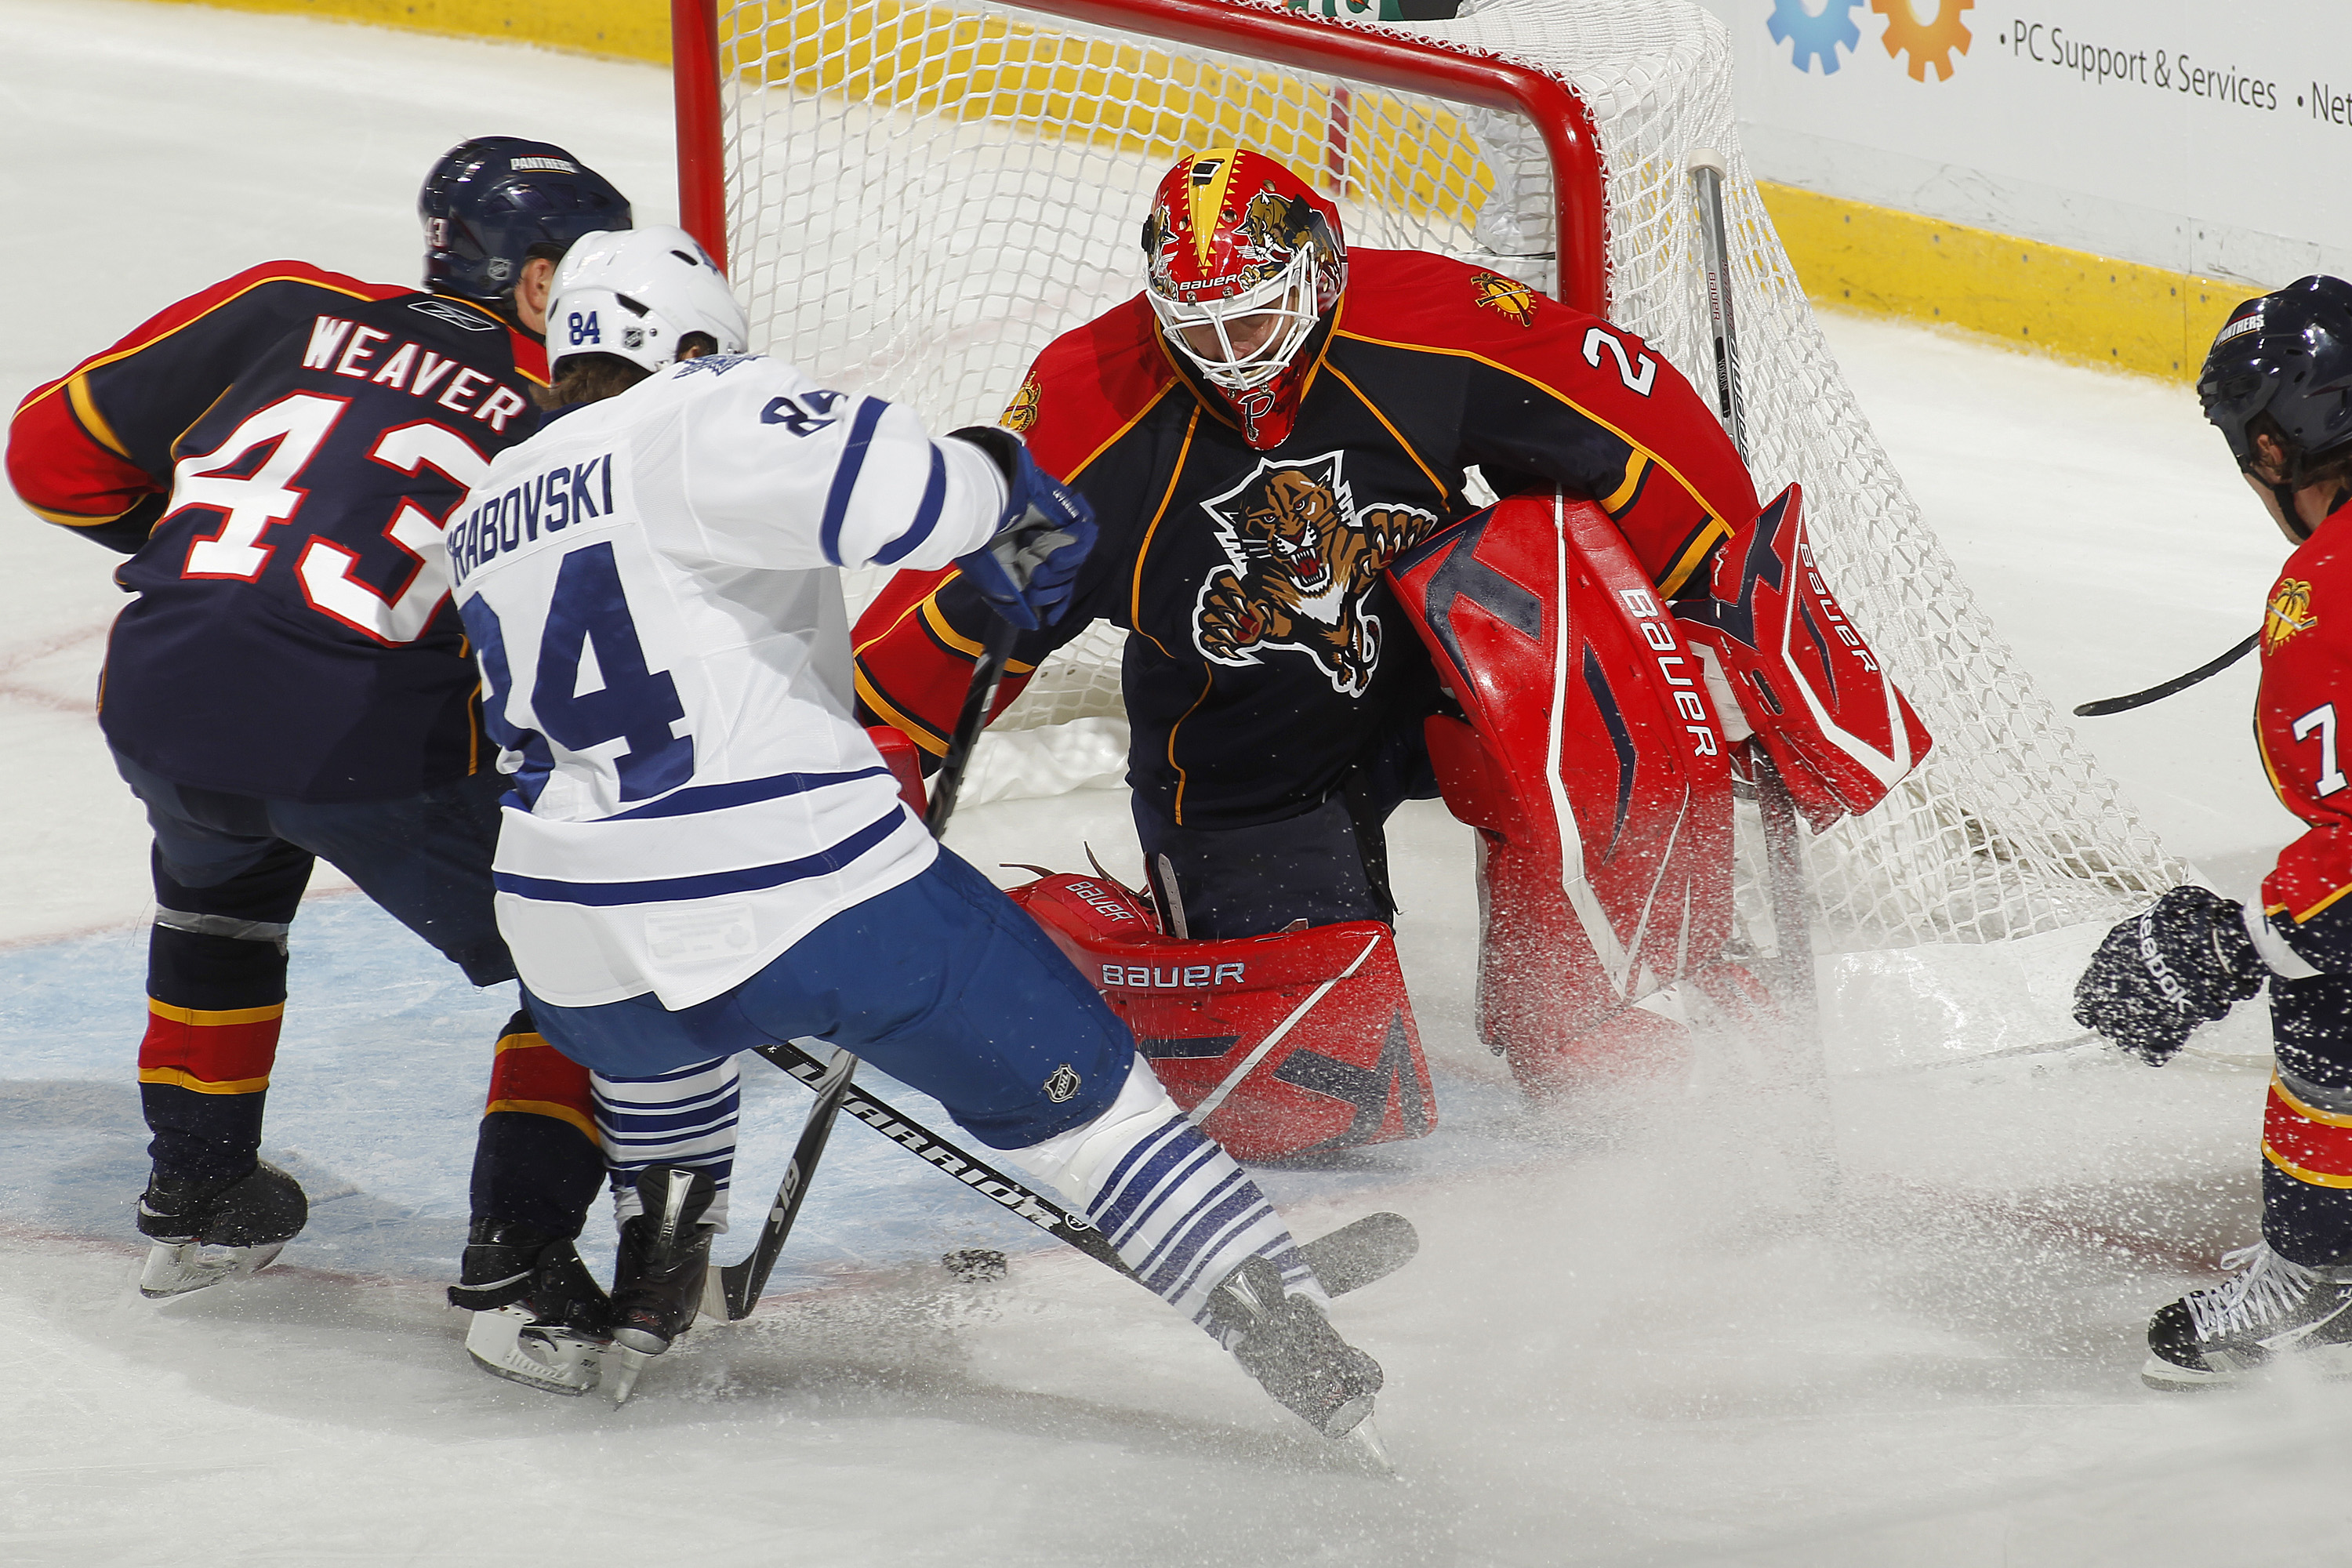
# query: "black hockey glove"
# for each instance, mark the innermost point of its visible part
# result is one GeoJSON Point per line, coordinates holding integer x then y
{"type": "Point", "coordinates": [1027, 570]}
{"type": "Point", "coordinates": [2185, 960]}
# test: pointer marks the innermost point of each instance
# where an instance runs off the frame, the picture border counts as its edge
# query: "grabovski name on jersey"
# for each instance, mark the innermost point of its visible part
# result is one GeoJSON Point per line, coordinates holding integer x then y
{"type": "Point", "coordinates": [650, 583]}
{"type": "Point", "coordinates": [549, 500]}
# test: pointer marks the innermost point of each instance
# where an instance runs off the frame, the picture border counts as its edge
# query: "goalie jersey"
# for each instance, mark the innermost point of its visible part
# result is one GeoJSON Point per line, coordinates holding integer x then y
{"type": "Point", "coordinates": [1267, 655]}
{"type": "Point", "coordinates": [652, 585]}
{"type": "Point", "coordinates": [275, 455]}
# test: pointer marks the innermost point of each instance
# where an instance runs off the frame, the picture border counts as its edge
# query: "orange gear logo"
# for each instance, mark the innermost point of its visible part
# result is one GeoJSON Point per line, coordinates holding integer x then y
{"type": "Point", "coordinates": [1927, 43]}
{"type": "Point", "coordinates": [2289, 612]}
{"type": "Point", "coordinates": [1508, 295]}
{"type": "Point", "coordinates": [1022, 412]}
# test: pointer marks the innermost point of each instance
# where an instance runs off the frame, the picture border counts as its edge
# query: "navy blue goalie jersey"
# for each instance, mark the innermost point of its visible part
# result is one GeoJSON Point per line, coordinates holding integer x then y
{"type": "Point", "coordinates": [277, 454]}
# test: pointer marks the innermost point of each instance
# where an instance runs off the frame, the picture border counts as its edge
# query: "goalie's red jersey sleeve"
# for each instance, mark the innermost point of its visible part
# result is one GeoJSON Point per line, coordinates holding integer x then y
{"type": "Point", "coordinates": [2304, 701]}
{"type": "Point", "coordinates": [92, 450]}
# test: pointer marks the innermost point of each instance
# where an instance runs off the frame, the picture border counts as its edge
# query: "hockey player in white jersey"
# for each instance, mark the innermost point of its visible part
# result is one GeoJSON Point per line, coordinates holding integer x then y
{"type": "Point", "coordinates": [703, 851]}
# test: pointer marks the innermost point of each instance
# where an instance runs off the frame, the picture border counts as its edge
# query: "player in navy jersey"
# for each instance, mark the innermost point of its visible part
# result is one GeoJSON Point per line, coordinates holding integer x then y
{"type": "Point", "coordinates": [704, 851]}
{"type": "Point", "coordinates": [275, 456]}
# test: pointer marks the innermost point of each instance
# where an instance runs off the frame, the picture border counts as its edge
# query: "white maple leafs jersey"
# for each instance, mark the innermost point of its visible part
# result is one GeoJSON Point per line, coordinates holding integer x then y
{"type": "Point", "coordinates": [651, 582]}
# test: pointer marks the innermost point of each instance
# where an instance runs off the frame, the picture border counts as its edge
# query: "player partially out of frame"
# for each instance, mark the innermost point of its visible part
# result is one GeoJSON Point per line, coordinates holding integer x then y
{"type": "Point", "coordinates": [274, 456]}
{"type": "Point", "coordinates": [2278, 384]}
{"type": "Point", "coordinates": [703, 851]}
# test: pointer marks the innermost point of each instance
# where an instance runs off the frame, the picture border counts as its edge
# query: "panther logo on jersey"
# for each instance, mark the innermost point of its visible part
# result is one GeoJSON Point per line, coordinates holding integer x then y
{"type": "Point", "coordinates": [1299, 556]}
{"type": "Point", "coordinates": [1508, 295]}
{"type": "Point", "coordinates": [1022, 412]}
{"type": "Point", "coordinates": [2289, 612]}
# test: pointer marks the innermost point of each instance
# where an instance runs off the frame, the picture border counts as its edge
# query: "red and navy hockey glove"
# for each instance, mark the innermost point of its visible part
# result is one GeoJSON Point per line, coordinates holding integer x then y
{"type": "Point", "coordinates": [1027, 570]}
{"type": "Point", "coordinates": [2185, 960]}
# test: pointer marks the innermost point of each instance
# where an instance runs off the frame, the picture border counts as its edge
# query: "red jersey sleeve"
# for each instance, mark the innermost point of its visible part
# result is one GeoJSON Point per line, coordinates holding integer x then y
{"type": "Point", "coordinates": [92, 450]}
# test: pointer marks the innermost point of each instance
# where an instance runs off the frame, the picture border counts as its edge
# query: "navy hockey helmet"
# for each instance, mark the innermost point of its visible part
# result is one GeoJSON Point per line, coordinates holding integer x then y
{"type": "Point", "coordinates": [490, 200]}
{"type": "Point", "coordinates": [2286, 356]}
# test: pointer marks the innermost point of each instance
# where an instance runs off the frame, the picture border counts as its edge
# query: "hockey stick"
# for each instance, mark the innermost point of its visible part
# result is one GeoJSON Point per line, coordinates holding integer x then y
{"type": "Point", "coordinates": [2158, 692]}
{"type": "Point", "coordinates": [977, 699]}
{"type": "Point", "coordinates": [738, 1285]}
{"type": "Point", "coordinates": [985, 1179]}
{"type": "Point", "coordinates": [1783, 850]}
{"type": "Point", "coordinates": [1345, 1259]}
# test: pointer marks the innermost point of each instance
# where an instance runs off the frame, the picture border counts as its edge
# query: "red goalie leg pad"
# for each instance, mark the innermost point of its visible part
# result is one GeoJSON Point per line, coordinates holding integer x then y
{"type": "Point", "coordinates": [1278, 1045]}
{"type": "Point", "coordinates": [2307, 1143]}
{"type": "Point", "coordinates": [1832, 721]}
{"type": "Point", "coordinates": [1588, 758]}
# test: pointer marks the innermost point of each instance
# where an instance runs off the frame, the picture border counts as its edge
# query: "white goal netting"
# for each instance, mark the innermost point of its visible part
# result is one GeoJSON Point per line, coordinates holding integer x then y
{"type": "Point", "coordinates": [920, 198]}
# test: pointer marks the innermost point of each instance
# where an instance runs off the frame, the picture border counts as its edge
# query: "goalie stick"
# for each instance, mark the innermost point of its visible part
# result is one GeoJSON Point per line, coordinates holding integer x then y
{"type": "Point", "coordinates": [1783, 851]}
{"type": "Point", "coordinates": [2162, 689]}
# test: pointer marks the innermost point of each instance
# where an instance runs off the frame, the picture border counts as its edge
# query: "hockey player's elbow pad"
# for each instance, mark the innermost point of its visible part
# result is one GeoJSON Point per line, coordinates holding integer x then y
{"type": "Point", "coordinates": [2185, 960]}
{"type": "Point", "coordinates": [1028, 570]}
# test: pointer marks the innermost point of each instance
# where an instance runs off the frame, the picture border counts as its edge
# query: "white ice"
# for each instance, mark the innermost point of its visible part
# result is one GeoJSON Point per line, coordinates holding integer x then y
{"type": "Point", "coordinates": [1636, 1334]}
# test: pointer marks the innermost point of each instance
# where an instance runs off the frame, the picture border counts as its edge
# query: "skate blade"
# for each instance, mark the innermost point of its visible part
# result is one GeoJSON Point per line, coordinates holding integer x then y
{"type": "Point", "coordinates": [176, 1269]}
{"type": "Point", "coordinates": [554, 1361]}
{"type": "Point", "coordinates": [627, 1365]}
{"type": "Point", "coordinates": [1365, 1439]}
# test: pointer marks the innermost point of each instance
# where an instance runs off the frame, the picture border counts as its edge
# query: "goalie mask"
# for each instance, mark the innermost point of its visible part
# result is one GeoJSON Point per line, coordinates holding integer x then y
{"type": "Point", "coordinates": [637, 295]}
{"type": "Point", "coordinates": [2282, 366]}
{"type": "Point", "coordinates": [1243, 261]}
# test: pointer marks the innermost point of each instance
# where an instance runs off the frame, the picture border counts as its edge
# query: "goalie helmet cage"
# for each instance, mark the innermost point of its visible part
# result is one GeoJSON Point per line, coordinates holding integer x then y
{"type": "Point", "coordinates": [913, 200]}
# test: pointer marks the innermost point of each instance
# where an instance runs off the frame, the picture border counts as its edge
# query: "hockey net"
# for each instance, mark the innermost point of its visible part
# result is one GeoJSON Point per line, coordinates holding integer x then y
{"type": "Point", "coordinates": [919, 198]}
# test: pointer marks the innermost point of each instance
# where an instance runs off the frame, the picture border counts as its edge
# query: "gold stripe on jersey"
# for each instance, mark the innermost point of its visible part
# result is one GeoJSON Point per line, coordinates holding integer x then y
{"type": "Point", "coordinates": [1444, 491]}
{"type": "Point", "coordinates": [1119, 434]}
{"type": "Point", "coordinates": [85, 410]}
{"type": "Point", "coordinates": [1208, 683]}
{"type": "Point", "coordinates": [1143, 552]}
{"type": "Point", "coordinates": [1714, 532]}
{"type": "Point", "coordinates": [1637, 468]}
{"type": "Point", "coordinates": [215, 1018]}
{"type": "Point", "coordinates": [922, 735]}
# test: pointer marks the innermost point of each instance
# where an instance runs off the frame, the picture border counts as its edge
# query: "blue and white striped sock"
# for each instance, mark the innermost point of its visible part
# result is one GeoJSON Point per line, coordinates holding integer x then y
{"type": "Point", "coordinates": [1178, 1209]}
{"type": "Point", "coordinates": [683, 1118]}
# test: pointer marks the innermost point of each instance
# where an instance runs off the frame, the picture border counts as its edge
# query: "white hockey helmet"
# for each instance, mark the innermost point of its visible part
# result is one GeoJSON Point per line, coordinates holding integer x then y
{"type": "Point", "coordinates": [636, 293]}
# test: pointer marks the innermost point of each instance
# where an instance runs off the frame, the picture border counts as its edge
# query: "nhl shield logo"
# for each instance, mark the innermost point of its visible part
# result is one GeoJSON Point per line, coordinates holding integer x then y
{"type": "Point", "coordinates": [1063, 1087]}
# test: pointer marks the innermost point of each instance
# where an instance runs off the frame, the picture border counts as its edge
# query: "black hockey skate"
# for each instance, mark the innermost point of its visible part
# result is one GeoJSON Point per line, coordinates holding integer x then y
{"type": "Point", "coordinates": [658, 1279]}
{"type": "Point", "coordinates": [542, 1320]}
{"type": "Point", "coordinates": [2275, 1312]}
{"type": "Point", "coordinates": [205, 1230]}
{"type": "Point", "coordinates": [1290, 1347]}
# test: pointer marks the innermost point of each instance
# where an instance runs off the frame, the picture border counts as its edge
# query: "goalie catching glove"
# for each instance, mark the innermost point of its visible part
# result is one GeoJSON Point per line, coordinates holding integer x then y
{"type": "Point", "coordinates": [2185, 960]}
{"type": "Point", "coordinates": [1027, 571]}
{"type": "Point", "coordinates": [1820, 705]}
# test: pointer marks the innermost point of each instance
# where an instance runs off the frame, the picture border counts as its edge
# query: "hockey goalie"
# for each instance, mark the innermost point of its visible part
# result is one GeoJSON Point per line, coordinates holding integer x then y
{"type": "Point", "coordinates": [1275, 437]}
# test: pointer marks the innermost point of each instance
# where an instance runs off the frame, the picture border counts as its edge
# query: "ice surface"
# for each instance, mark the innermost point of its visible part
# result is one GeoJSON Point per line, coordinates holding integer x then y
{"type": "Point", "coordinates": [1640, 1331]}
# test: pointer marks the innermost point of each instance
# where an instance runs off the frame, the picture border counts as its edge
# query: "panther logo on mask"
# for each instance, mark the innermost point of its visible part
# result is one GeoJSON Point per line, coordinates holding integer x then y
{"type": "Point", "coordinates": [1298, 557]}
